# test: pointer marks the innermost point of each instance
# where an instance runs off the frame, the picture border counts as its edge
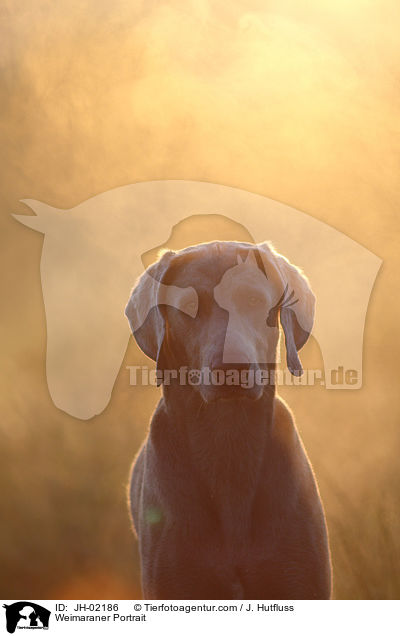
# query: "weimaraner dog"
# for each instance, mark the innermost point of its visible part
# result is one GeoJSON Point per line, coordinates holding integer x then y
{"type": "Point", "coordinates": [223, 498]}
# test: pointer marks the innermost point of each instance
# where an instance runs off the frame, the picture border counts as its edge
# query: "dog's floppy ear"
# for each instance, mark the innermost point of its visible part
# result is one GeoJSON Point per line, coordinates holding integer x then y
{"type": "Point", "coordinates": [142, 310]}
{"type": "Point", "coordinates": [297, 309]}
{"type": "Point", "coordinates": [296, 305]}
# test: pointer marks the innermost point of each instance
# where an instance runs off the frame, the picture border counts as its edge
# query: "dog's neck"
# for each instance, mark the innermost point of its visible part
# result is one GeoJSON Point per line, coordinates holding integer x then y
{"type": "Point", "coordinates": [226, 442]}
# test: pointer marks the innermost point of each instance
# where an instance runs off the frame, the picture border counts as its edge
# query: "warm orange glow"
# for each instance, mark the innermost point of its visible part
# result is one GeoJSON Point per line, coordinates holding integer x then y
{"type": "Point", "coordinates": [294, 100]}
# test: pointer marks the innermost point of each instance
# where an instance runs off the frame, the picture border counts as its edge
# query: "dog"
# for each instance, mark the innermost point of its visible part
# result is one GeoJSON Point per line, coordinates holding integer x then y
{"type": "Point", "coordinates": [223, 498]}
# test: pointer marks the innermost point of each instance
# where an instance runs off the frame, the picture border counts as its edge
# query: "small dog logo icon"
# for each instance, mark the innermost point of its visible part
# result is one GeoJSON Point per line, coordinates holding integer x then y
{"type": "Point", "coordinates": [26, 615]}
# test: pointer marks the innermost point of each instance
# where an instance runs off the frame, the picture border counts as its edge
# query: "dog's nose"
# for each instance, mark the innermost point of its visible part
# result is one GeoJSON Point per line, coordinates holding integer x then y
{"type": "Point", "coordinates": [228, 380]}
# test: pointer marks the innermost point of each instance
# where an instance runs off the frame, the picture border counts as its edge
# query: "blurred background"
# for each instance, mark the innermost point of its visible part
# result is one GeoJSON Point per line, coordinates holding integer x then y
{"type": "Point", "coordinates": [297, 100]}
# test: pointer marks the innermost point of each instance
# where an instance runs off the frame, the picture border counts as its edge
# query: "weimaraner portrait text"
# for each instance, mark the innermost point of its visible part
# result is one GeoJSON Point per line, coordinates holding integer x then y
{"type": "Point", "coordinates": [222, 495]}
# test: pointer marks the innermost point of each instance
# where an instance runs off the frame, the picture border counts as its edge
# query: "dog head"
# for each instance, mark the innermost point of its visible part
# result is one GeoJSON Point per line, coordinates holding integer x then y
{"type": "Point", "coordinates": [217, 306]}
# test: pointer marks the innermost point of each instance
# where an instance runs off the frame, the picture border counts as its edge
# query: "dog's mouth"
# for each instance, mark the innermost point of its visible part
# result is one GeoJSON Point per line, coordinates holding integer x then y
{"type": "Point", "coordinates": [230, 394]}
{"type": "Point", "coordinates": [226, 383]}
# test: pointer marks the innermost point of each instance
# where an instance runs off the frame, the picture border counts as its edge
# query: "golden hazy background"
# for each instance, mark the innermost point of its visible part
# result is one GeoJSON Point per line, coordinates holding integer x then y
{"type": "Point", "coordinates": [293, 99]}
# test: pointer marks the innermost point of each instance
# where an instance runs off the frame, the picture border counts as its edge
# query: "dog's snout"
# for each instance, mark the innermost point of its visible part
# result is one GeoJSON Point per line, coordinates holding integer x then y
{"type": "Point", "coordinates": [229, 380]}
